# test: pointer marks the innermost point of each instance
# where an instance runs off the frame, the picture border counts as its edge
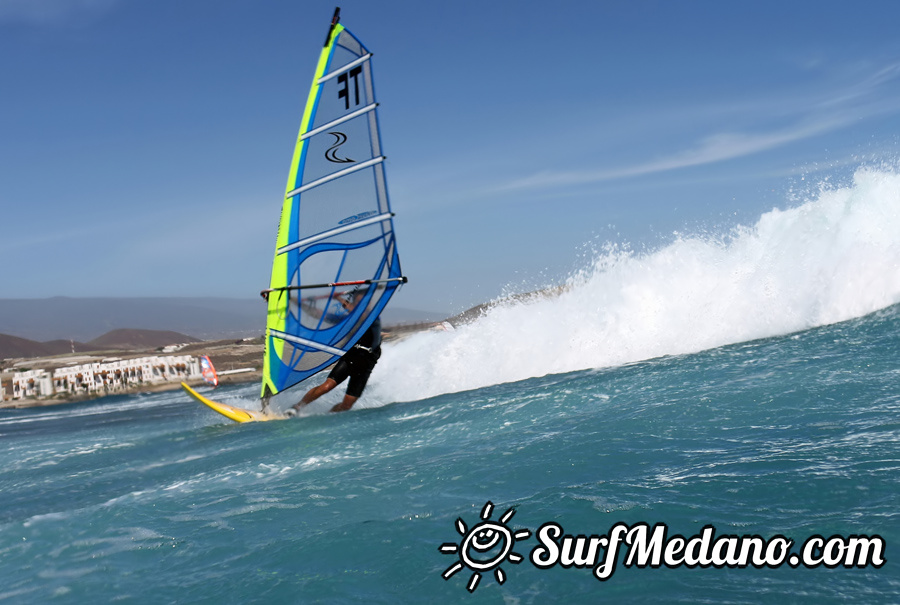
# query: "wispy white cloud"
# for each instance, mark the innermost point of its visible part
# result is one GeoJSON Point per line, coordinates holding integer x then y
{"type": "Point", "coordinates": [714, 148]}
{"type": "Point", "coordinates": [864, 89]}
{"type": "Point", "coordinates": [50, 11]}
{"type": "Point", "coordinates": [831, 112]}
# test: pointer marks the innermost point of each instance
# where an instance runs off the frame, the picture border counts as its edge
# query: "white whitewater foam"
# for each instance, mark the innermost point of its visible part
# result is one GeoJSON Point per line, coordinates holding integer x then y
{"type": "Point", "coordinates": [832, 258]}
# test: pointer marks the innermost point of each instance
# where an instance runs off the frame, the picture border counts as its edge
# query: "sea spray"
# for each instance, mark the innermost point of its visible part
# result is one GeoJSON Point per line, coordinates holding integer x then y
{"type": "Point", "coordinates": [833, 257]}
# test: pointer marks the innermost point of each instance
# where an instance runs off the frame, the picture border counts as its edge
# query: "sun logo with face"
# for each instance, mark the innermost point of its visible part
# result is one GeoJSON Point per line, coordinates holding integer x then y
{"type": "Point", "coordinates": [484, 547]}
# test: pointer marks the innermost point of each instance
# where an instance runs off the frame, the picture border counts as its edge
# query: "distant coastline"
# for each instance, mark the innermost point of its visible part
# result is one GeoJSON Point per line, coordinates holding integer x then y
{"type": "Point", "coordinates": [146, 388]}
{"type": "Point", "coordinates": [238, 361]}
{"type": "Point", "coordinates": [237, 352]}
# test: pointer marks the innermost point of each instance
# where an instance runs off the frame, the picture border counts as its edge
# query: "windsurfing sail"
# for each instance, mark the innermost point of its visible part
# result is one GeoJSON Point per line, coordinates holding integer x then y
{"type": "Point", "coordinates": [336, 263]}
{"type": "Point", "coordinates": [208, 371]}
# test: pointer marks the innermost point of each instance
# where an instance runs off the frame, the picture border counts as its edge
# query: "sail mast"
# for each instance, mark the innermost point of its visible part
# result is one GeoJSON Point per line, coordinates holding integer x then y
{"type": "Point", "coordinates": [334, 21]}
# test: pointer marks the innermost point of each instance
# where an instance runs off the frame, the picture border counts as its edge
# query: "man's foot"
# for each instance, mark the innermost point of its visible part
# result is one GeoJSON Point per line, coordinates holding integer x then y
{"type": "Point", "coordinates": [290, 412]}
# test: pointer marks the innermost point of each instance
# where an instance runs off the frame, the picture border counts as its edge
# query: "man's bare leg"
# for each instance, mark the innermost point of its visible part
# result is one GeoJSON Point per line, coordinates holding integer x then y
{"type": "Point", "coordinates": [346, 404]}
{"type": "Point", "coordinates": [316, 392]}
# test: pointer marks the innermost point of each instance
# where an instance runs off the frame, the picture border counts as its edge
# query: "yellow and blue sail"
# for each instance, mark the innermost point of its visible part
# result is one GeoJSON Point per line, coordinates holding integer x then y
{"type": "Point", "coordinates": [336, 263]}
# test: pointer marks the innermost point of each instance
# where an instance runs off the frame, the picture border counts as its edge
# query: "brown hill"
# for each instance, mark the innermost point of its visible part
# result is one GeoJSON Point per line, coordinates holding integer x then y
{"type": "Point", "coordinates": [61, 347]}
{"type": "Point", "coordinates": [13, 346]}
{"type": "Point", "coordinates": [138, 339]}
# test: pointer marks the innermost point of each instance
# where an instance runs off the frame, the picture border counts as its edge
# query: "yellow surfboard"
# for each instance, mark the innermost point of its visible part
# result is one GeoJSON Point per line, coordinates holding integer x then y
{"type": "Point", "coordinates": [229, 411]}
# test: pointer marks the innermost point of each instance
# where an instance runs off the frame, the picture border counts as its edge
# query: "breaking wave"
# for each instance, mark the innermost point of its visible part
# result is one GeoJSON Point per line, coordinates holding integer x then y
{"type": "Point", "coordinates": [834, 257]}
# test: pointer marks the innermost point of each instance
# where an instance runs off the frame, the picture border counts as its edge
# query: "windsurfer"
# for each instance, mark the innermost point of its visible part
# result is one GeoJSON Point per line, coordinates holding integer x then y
{"type": "Point", "coordinates": [357, 364]}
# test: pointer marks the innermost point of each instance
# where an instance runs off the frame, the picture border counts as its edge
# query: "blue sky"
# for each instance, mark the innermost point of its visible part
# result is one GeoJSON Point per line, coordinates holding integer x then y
{"type": "Point", "coordinates": [144, 144]}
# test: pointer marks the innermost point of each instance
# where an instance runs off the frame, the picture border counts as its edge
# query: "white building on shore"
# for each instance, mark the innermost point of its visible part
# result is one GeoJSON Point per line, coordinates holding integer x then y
{"type": "Point", "coordinates": [107, 376]}
{"type": "Point", "coordinates": [32, 383]}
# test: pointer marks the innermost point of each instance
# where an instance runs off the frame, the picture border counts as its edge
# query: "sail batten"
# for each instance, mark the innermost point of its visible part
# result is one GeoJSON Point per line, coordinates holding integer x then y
{"type": "Point", "coordinates": [339, 121]}
{"type": "Point", "coordinates": [335, 175]}
{"type": "Point", "coordinates": [307, 343]}
{"type": "Point", "coordinates": [344, 69]}
{"type": "Point", "coordinates": [356, 225]}
{"type": "Point", "coordinates": [336, 263]}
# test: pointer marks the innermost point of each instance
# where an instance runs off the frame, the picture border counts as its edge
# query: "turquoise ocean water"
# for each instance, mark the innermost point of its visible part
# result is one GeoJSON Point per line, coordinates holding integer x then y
{"type": "Point", "coordinates": [717, 385]}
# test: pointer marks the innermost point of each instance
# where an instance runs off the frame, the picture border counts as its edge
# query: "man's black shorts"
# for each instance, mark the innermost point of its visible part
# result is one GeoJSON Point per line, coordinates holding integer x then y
{"type": "Point", "coordinates": [357, 364]}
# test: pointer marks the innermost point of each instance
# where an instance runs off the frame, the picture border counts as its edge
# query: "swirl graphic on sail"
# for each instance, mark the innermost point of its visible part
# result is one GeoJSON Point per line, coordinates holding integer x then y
{"type": "Point", "coordinates": [331, 152]}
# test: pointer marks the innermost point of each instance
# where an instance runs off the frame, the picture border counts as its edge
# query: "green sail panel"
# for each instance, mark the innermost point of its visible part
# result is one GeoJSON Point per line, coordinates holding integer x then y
{"type": "Point", "coordinates": [335, 238]}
